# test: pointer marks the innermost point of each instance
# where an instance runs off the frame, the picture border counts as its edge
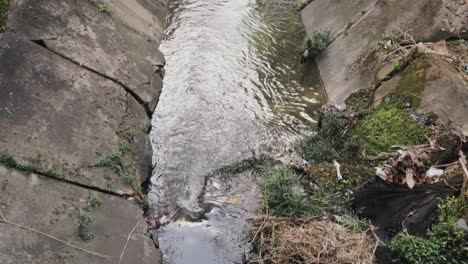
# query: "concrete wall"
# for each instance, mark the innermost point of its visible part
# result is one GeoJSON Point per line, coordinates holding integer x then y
{"type": "Point", "coordinates": [79, 81]}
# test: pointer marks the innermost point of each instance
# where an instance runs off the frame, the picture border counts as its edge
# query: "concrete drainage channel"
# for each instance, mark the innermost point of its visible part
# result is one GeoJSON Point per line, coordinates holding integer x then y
{"type": "Point", "coordinates": [234, 84]}
{"type": "Point", "coordinates": [79, 84]}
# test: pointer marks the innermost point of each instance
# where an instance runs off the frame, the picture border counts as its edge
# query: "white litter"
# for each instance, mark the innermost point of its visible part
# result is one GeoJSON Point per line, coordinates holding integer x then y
{"type": "Point", "coordinates": [433, 172]}
{"type": "Point", "coordinates": [381, 173]}
{"type": "Point", "coordinates": [338, 172]}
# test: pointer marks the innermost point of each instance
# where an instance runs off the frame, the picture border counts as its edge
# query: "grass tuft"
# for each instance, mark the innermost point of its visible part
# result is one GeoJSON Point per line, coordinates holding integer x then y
{"type": "Point", "coordinates": [112, 160]}
{"type": "Point", "coordinates": [284, 197]}
{"type": "Point", "coordinates": [4, 6]}
{"type": "Point", "coordinates": [8, 159]}
{"type": "Point", "coordinates": [332, 142]}
{"type": "Point", "coordinates": [318, 42]}
{"type": "Point", "coordinates": [50, 171]}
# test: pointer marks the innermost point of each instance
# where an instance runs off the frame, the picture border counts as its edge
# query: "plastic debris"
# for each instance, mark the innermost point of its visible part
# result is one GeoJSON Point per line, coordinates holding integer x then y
{"type": "Point", "coordinates": [433, 172]}
{"type": "Point", "coordinates": [381, 173]}
{"type": "Point", "coordinates": [338, 172]}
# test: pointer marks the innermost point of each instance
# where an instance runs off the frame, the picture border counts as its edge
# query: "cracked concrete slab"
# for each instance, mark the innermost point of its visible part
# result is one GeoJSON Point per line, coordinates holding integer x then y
{"type": "Point", "coordinates": [52, 207]}
{"type": "Point", "coordinates": [77, 30]}
{"type": "Point", "coordinates": [445, 90]}
{"type": "Point", "coordinates": [64, 118]}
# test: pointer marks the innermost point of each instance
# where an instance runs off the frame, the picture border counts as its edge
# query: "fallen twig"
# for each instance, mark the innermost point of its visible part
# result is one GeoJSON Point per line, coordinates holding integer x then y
{"type": "Point", "coordinates": [465, 179]}
{"type": "Point", "coordinates": [445, 165]}
{"type": "Point", "coordinates": [3, 220]}
{"type": "Point", "coordinates": [128, 238]}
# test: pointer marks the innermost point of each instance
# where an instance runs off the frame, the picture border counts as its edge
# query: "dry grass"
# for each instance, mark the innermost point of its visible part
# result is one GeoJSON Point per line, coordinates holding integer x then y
{"type": "Point", "coordinates": [306, 241]}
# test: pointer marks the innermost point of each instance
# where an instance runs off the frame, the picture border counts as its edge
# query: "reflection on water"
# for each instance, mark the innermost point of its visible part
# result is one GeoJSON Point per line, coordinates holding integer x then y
{"type": "Point", "coordinates": [233, 84]}
{"type": "Point", "coordinates": [288, 92]}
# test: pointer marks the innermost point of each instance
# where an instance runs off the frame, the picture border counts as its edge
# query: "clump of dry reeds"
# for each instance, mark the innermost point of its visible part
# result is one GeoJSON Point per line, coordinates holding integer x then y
{"type": "Point", "coordinates": [301, 240]}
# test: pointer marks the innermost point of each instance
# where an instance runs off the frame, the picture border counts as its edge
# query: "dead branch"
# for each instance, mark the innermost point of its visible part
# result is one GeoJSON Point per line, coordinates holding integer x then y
{"type": "Point", "coordinates": [128, 238]}
{"type": "Point", "coordinates": [465, 179]}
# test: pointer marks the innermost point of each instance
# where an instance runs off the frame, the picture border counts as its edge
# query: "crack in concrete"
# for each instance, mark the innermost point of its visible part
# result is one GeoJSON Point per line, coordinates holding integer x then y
{"type": "Point", "coordinates": [81, 185]}
{"type": "Point", "coordinates": [124, 86]}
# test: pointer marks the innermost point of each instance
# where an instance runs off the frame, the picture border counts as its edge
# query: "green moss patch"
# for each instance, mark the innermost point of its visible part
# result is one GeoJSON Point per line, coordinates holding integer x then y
{"type": "Point", "coordinates": [325, 175]}
{"type": "Point", "coordinates": [360, 100]}
{"type": "Point", "coordinates": [412, 83]}
{"type": "Point", "coordinates": [4, 6]}
{"type": "Point", "coordinates": [389, 125]}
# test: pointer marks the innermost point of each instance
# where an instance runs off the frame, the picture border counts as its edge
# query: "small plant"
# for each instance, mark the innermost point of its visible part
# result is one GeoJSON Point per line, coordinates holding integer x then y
{"type": "Point", "coordinates": [125, 24]}
{"type": "Point", "coordinates": [348, 27]}
{"type": "Point", "coordinates": [146, 127]}
{"type": "Point", "coordinates": [284, 197]}
{"type": "Point", "coordinates": [112, 160]}
{"type": "Point", "coordinates": [129, 135]}
{"type": "Point", "coordinates": [353, 223]}
{"type": "Point", "coordinates": [7, 158]}
{"type": "Point", "coordinates": [149, 39]}
{"type": "Point", "coordinates": [444, 243]}
{"type": "Point", "coordinates": [93, 202]}
{"type": "Point", "coordinates": [4, 6]}
{"type": "Point", "coordinates": [128, 180]}
{"type": "Point", "coordinates": [332, 142]}
{"type": "Point", "coordinates": [50, 171]}
{"type": "Point", "coordinates": [318, 42]}
{"type": "Point", "coordinates": [102, 7]}
{"type": "Point", "coordinates": [28, 167]}
{"type": "Point", "coordinates": [84, 220]}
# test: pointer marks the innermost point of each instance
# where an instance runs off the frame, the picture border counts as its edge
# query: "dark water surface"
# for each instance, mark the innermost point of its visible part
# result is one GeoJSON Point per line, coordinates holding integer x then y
{"type": "Point", "coordinates": [233, 86]}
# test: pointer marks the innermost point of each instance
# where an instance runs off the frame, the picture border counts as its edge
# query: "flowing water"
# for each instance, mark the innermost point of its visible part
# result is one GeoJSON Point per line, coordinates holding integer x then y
{"type": "Point", "coordinates": [233, 87]}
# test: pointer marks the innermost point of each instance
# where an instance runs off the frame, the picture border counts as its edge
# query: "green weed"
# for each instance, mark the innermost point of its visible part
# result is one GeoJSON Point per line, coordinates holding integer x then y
{"type": "Point", "coordinates": [50, 171]}
{"type": "Point", "coordinates": [332, 142]}
{"type": "Point", "coordinates": [318, 42]}
{"type": "Point", "coordinates": [112, 160]}
{"type": "Point", "coordinates": [283, 195]}
{"type": "Point", "coordinates": [7, 158]}
{"type": "Point", "coordinates": [102, 7]}
{"type": "Point", "coordinates": [444, 243]}
{"type": "Point", "coordinates": [4, 6]}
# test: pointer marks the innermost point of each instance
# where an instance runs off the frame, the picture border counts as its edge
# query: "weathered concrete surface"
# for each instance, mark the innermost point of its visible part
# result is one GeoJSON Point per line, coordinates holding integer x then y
{"type": "Point", "coordinates": [52, 207]}
{"type": "Point", "coordinates": [77, 30]}
{"type": "Point", "coordinates": [344, 66]}
{"type": "Point", "coordinates": [55, 113]}
{"type": "Point", "coordinates": [445, 90]}
{"type": "Point", "coordinates": [145, 16]}
{"type": "Point", "coordinates": [322, 15]}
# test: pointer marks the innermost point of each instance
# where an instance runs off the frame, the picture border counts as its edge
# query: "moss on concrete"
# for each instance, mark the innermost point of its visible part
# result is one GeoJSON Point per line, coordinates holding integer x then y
{"type": "Point", "coordinates": [360, 100]}
{"type": "Point", "coordinates": [389, 125]}
{"type": "Point", "coordinates": [412, 83]}
{"type": "Point", "coordinates": [4, 6]}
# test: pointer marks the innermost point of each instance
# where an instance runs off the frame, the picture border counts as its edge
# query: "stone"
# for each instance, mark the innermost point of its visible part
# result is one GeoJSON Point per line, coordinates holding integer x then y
{"type": "Point", "coordinates": [65, 119]}
{"type": "Point", "coordinates": [80, 31]}
{"type": "Point", "coordinates": [52, 207]}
